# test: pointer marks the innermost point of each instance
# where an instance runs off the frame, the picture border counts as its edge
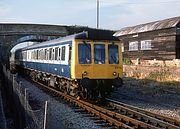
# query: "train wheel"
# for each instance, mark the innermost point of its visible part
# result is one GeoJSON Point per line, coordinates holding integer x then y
{"type": "Point", "coordinates": [86, 94]}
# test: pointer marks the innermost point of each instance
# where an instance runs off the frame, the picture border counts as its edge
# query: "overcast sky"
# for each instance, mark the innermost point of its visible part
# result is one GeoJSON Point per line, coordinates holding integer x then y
{"type": "Point", "coordinates": [114, 14]}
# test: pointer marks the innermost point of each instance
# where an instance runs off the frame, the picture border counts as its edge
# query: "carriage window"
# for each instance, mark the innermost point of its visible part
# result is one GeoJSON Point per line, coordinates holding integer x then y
{"type": "Point", "coordinates": [35, 55]}
{"type": "Point", "coordinates": [45, 54]}
{"type": "Point", "coordinates": [99, 54]}
{"type": "Point", "coordinates": [84, 53]}
{"type": "Point", "coordinates": [63, 53]}
{"type": "Point", "coordinates": [59, 56]}
{"type": "Point", "coordinates": [113, 54]}
{"type": "Point", "coordinates": [70, 51]}
{"type": "Point", "coordinates": [27, 55]}
{"type": "Point", "coordinates": [50, 54]}
{"type": "Point", "coordinates": [36, 51]}
{"type": "Point", "coordinates": [32, 55]}
{"type": "Point", "coordinates": [32, 52]}
{"type": "Point", "coordinates": [39, 55]}
{"type": "Point", "coordinates": [56, 53]}
{"type": "Point", "coordinates": [53, 54]}
{"type": "Point", "coordinates": [42, 54]}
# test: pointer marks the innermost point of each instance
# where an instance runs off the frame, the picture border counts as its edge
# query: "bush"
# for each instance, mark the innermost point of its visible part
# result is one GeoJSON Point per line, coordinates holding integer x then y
{"type": "Point", "coordinates": [127, 61]}
{"type": "Point", "coordinates": [160, 75]}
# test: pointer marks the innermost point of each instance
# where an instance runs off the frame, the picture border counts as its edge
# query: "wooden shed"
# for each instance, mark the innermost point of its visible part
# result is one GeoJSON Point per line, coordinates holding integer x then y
{"type": "Point", "coordinates": [159, 40]}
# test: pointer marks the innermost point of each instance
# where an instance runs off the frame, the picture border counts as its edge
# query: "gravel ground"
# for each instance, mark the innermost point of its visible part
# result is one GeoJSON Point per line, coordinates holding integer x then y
{"type": "Point", "coordinates": [145, 95]}
{"type": "Point", "coordinates": [60, 114]}
{"type": "Point", "coordinates": [162, 98]}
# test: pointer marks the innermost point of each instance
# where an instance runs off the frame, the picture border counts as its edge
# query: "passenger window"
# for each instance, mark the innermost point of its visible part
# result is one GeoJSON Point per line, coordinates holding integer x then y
{"type": "Point", "coordinates": [37, 54]}
{"type": "Point", "coordinates": [53, 53]}
{"type": "Point", "coordinates": [70, 51]}
{"type": "Point", "coordinates": [42, 54]}
{"type": "Point", "coordinates": [45, 54]}
{"type": "Point", "coordinates": [63, 53]}
{"type": "Point", "coordinates": [99, 54]}
{"type": "Point", "coordinates": [59, 57]}
{"type": "Point", "coordinates": [31, 54]}
{"type": "Point", "coordinates": [34, 54]}
{"type": "Point", "coordinates": [84, 53]}
{"type": "Point", "coordinates": [113, 54]}
{"type": "Point", "coordinates": [50, 54]}
{"type": "Point", "coordinates": [56, 53]}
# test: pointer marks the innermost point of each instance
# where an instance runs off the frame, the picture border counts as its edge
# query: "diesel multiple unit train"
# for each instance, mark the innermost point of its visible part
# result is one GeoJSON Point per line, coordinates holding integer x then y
{"type": "Point", "coordinates": [81, 65]}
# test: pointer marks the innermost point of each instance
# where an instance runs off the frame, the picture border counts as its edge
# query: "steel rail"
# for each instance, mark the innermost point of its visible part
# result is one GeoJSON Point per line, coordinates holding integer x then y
{"type": "Point", "coordinates": [84, 105]}
{"type": "Point", "coordinates": [153, 118]}
{"type": "Point", "coordinates": [130, 121]}
{"type": "Point", "coordinates": [114, 118]}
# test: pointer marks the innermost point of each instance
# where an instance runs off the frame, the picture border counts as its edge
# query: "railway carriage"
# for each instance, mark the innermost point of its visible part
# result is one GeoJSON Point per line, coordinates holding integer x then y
{"type": "Point", "coordinates": [82, 65]}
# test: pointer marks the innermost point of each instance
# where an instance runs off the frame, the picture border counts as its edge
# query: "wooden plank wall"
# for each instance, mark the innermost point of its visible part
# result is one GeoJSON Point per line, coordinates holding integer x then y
{"type": "Point", "coordinates": [178, 43]}
{"type": "Point", "coordinates": [163, 45]}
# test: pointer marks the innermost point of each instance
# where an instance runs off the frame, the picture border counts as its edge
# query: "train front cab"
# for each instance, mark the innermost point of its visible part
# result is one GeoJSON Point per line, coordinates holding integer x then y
{"type": "Point", "coordinates": [97, 65]}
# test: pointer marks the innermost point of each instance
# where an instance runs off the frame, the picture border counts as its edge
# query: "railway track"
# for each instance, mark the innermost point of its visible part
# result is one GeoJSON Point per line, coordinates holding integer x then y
{"type": "Point", "coordinates": [118, 114]}
{"type": "Point", "coordinates": [149, 117]}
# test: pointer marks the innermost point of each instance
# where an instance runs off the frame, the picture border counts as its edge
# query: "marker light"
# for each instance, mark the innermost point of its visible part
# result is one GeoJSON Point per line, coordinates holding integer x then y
{"type": "Point", "coordinates": [114, 73]}
{"type": "Point", "coordinates": [85, 73]}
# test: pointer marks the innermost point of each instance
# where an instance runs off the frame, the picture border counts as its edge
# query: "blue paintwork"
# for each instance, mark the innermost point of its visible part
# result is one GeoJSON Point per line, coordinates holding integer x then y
{"type": "Point", "coordinates": [50, 68]}
{"type": "Point", "coordinates": [58, 69]}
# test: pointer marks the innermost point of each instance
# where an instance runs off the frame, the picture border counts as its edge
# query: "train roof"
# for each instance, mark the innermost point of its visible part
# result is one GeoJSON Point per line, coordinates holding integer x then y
{"type": "Point", "coordinates": [82, 35]}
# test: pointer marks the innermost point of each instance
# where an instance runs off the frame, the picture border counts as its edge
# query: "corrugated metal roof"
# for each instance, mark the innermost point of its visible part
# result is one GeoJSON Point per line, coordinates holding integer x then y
{"type": "Point", "coordinates": [167, 23]}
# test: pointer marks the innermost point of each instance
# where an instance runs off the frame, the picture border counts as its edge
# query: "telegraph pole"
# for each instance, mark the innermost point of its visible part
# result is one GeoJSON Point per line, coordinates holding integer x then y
{"type": "Point", "coordinates": [97, 14]}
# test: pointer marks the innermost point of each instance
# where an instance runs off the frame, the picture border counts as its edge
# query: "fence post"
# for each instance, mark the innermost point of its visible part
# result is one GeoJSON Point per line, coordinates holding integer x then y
{"type": "Point", "coordinates": [45, 115]}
